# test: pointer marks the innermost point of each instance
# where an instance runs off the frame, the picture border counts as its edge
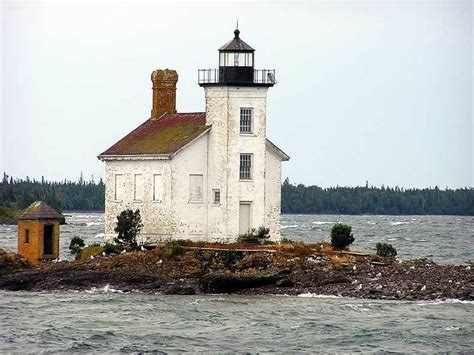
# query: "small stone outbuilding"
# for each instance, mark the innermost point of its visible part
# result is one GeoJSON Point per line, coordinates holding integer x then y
{"type": "Point", "coordinates": [38, 232]}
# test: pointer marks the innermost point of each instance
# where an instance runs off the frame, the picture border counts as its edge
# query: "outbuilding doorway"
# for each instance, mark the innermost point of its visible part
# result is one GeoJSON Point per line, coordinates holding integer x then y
{"type": "Point", "coordinates": [48, 235]}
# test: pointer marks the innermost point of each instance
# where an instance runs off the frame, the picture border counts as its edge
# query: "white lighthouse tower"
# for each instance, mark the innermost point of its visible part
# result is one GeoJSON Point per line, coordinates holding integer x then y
{"type": "Point", "coordinates": [244, 167]}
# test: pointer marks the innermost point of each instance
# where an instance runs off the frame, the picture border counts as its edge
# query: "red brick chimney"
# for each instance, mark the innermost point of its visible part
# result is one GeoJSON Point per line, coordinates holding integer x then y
{"type": "Point", "coordinates": [164, 92]}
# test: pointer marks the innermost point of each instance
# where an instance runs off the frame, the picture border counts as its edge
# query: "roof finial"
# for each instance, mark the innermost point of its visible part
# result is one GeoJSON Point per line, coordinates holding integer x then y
{"type": "Point", "coordinates": [237, 32]}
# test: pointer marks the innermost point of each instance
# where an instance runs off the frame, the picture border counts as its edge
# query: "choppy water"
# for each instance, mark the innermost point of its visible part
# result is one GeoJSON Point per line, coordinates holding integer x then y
{"type": "Point", "coordinates": [135, 322]}
{"type": "Point", "coordinates": [110, 321]}
{"type": "Point", "coordinates": [445, 239]}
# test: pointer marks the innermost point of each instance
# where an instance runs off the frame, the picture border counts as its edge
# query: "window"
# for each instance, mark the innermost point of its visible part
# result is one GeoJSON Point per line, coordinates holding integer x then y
{"type": "Point", "coordinates": [27, 235]}
{"type": "Point", "coordinates": [217, 196]}
{"type": "Point", "coordinates": [138, 187]}
{"type": "Point", "coordinates": [157, 188]}
{"type": "Point", "coordinates": [246, 120]}
{"type": "Point", "coordinates": [238, 59]}
{"type": "Point", "coordinates": [118, 187]}
{"type": "Point", "coordinates": [245, 166]}
{"type": "Point", "coordinates": [195, 188]}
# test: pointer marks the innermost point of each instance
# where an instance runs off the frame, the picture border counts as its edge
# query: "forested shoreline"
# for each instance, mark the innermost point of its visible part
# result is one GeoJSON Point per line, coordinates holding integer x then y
{"type": "Point", "coordinates": [301, 199]}
{"type": "Point", "coordinates": [17, 194]}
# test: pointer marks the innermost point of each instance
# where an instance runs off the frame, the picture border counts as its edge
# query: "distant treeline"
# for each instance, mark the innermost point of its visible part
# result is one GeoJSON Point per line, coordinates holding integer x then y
{"type": "Point", "coordinates": [373, 200]}
{"type": "Point", "coordinates": [18, 194]}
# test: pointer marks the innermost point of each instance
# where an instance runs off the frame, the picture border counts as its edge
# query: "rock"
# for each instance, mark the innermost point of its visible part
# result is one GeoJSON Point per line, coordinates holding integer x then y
{"type": "Point", "coordinates": [286, 282]}
{"type": "Point", "coordinates": [338, 279]}
{"type": "Point", "coordinates": [180, 290]}
{"type": "Point", "coordinates": [152, 285]}
{"type": "Point", "coordinates": [378, 263]}
{"type": "Point", "coordinates": [374, 291]}
{"type": "Point", "coordinates": [231, 282]}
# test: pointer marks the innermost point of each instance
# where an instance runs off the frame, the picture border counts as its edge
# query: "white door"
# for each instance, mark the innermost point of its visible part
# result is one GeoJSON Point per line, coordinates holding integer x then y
{"type": "Point", "coordinates": [244, 217]}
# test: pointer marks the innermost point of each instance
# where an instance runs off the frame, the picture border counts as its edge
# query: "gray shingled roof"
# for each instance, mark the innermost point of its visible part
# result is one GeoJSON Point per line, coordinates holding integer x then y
{"type": "Point", "coordinates": [40, 210]}
{"type": "Point", "coordinates": [236, 44]}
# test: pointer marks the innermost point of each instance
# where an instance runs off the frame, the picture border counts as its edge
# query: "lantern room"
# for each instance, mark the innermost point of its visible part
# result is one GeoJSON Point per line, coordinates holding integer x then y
{"type": "Point", "coordinates": [236, 67]}
{"type": "Point", "coordinates": [236, 61]}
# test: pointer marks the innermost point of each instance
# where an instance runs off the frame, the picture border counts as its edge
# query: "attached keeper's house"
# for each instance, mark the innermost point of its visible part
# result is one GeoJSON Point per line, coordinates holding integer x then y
{"type": "Point", "coordinates": [204, 175]}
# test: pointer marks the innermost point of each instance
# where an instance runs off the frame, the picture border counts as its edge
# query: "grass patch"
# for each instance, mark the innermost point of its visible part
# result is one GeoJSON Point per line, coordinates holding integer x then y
{"type": "Point", "coordinates": [91, 250]}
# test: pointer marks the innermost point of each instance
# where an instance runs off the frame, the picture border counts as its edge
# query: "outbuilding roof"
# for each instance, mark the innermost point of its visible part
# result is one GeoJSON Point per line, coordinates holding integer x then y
{"type": "Point", "coordinates": [40, 210]}
{"type": "Point", "coordinates": [163, 136]}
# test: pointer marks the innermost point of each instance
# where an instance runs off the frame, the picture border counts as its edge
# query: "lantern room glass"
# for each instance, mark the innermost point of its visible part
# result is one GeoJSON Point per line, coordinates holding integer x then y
{"type": "Point", "coordinates": [236, 59]}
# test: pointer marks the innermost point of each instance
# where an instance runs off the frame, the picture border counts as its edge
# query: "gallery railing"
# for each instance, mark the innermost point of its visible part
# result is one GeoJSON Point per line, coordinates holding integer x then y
{"type": "Point", "coordinates": [236, 75]}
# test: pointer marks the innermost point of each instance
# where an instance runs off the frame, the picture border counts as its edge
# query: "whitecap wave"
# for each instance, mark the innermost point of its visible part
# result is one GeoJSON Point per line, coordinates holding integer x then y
{"type": "Point", "coordinates": [84, 216]}
{"type": "Point", "coordinates": [106, 289]}
{"type": "Point", "coordinates": [445, 301]}
{"type": "Point", "coordinates": [100, 235]}
{"type": "Point", "coordinates": [94, 224]}
{"type": "Point", "coordinates": [290, 226]}
{"type": "Point", "coordinates": [322, 222]}
{"type": "Point", "coordinates": [451, 328]}
{"type": "Point", "coordinates": [398, 223]}
{"type": "Point", "coordinates": [316, 295]}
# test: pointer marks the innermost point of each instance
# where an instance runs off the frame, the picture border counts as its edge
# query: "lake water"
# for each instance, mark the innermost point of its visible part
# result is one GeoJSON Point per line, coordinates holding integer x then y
{"type": "Point", "coordinates": [445, 239]}
{"type": "Point", "coordinates": [107, 320]}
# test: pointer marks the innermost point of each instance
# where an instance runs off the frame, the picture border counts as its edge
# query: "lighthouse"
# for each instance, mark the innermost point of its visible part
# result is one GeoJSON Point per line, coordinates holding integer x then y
{"type": "Point", "coordinates": [210, 175]}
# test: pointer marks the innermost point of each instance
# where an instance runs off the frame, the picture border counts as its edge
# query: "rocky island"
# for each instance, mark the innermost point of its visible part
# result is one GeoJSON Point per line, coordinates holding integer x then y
{"type": "Point", "coordinates": [289, 268]}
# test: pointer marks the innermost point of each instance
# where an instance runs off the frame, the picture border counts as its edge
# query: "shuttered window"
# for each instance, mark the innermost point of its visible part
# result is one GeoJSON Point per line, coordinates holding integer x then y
{"type": "Point", "coordinates": [119, 187]}
{"type": "Point", "coordinates": [157, 188]}
{"type": "Point", "coordinates": [195, 187]}
{"type": "Point", "coordinates": [138, 187]}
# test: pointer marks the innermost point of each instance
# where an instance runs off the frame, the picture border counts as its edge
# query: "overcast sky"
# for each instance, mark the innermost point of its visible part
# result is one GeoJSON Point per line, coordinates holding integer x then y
{"type": "Point", "coordinates": [378, 91]}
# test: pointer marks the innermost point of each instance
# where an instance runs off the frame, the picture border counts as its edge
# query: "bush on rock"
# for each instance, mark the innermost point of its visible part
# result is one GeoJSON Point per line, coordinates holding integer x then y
{"type": "Point", "coordinates": [341, 236]}
{"type": "Point", "coordinates": [129, 224]}
{"type": "Point", "coordinates": [386, 250]}
{"type": "Point", "coordinates": [76, 245]}
{"type": "Point", "coordinates": [255, 236]}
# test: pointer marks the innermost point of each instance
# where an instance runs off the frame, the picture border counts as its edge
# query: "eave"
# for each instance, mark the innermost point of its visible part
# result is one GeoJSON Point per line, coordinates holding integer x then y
{"type": "Point", "coordinates": [283, 156]}
{"type": "Point", "coordinates": [110, 157]}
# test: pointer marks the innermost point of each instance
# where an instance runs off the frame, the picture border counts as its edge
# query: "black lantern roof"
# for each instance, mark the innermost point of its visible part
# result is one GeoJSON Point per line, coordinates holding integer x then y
{"type": "Point", "coordinates": [236, 45]}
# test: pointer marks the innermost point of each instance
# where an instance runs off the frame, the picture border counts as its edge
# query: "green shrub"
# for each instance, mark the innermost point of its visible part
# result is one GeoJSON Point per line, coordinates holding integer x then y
{"type": "Point", "coordinates": [341, 236]}
{"type": "Point", "coordinates": [129, 225]}
{"type": "Point", "coordinates": [110, 248]}
{"type": "Point", "coordinates": [387, 250]}
{"type": "Point", "coordinates": [255, 236]}
{"type": "Point", "coordinates": [175, 248]}
{"type": "Point", "coordinates": [76, 245]}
